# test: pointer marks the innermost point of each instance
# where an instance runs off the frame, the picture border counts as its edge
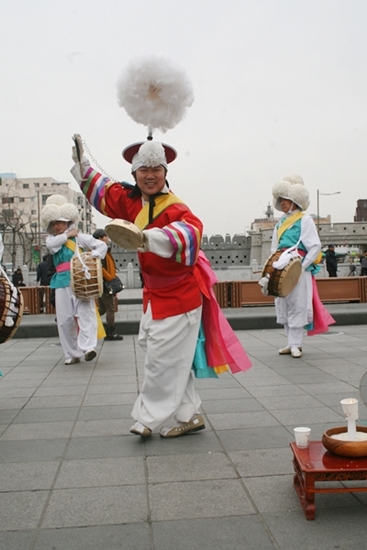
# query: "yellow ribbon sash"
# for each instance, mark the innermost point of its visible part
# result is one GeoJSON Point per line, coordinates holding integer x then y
{"type": "Point", "coordinates": [161, 203]}
{"type": "Point", "coordinates": [288, 222]}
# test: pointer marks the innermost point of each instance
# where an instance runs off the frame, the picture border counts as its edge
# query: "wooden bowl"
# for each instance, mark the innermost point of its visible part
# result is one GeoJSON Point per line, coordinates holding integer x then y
{"type": "Point", "coordinates": [341, 447]}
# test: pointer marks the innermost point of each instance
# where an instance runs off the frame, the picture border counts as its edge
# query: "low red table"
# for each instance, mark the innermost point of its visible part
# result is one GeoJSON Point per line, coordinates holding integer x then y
{"type": "Point", "coordinates": [315, 463]}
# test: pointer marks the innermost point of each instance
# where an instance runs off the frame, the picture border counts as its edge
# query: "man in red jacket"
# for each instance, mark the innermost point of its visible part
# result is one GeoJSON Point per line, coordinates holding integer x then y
{"type": "Point", "coordinates": [172, 294]}
{"type": "Point", "coordinates": [174, 290]}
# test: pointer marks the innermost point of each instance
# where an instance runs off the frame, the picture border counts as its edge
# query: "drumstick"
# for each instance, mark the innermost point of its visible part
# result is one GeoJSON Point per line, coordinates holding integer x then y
{"type": "Point", "coordinates": [79, 158]}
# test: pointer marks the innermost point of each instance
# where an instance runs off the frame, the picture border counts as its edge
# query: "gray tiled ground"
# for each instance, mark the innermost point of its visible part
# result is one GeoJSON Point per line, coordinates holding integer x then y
{"type": "Point", "coordinates": [73, 478]}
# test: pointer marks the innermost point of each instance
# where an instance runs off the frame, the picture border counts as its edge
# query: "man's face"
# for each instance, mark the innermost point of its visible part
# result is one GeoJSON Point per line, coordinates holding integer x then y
{"type": "Point", "coordinates": [286, 205]}
{"type": "Point", "coordinates": [150, 180]}
{"type": "Point", "coordinates": [59, 227]}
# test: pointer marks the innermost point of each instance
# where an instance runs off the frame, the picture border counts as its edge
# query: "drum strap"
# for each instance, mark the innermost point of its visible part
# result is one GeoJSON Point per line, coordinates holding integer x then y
{"type": "Point", "coordinates": [72, 245]}
{"type": "Point", "coordinates": [290, 220]}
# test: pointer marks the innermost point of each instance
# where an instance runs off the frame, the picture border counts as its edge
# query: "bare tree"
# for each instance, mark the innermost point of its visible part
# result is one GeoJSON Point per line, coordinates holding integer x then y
{"type": "Point", "coordinates": [17, 227]}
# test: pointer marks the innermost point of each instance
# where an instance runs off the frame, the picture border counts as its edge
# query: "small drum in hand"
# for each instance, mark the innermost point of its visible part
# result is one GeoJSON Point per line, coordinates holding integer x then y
{"type": "Point", "coordinates": [282, 281]}
{"type": "Point", "coordinates": [11, 309]}
{"type": "Point", "coordinates": [125, 234]}
{"type": "Point", "coordinates": [86, 276]}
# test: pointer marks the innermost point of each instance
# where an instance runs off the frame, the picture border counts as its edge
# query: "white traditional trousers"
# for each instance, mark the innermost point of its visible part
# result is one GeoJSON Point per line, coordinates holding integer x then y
{"type": "Point", "coordinates": [168, 394]}
{"type": "Point", "coordinates": [295, 310]}
{"type": "Point", "coordinates": [76, 323]}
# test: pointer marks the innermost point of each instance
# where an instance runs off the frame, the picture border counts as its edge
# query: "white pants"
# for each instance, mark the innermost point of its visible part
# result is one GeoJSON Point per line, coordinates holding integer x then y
{"type": "Point", "coordinates": [295, 310]}
{"type": "Point", "coordinates": [168, 394]}
{"type": "Point", "coordinates": [76, 323]}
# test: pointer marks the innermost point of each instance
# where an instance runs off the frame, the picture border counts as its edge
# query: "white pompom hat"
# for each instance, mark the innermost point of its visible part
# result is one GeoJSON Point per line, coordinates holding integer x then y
{"type": "Point", "coordinates": [154, 92]}
{"type": "Point", "coordinates": [292, 188]}
{"type": "Point", "coordinates": [58, 209]}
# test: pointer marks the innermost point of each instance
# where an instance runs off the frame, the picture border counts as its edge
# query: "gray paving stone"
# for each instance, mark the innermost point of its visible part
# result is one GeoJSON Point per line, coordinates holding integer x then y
{"type": "Point", "coordinates": [232, 405]}
{"type": "Point", "coordinates": [289, 402]}
{"type": "Point", "coordinates": [27, 476]}
{"type": "Point", "coordinates": [341, 528]}
{"type": "Point", "coordinates": [105, 412]}
{"type": "Point", "coordinates": [262, 462]}
{"type": "Point", "coordinates": [200, 442]}
{"type": "Point", "coordinates": [31, 450]}
{"type": "Point", "coordinates": [30, 416]}
{"type": "Point", "coordinates": [198, 499]}
{"type": "Point", "coordinates": [109, 399]}
{"type": "Point", "coordinates": [21, 510]}
{"type": "Point", "coordinates": [299, 417]}
{"type": "Point", "coordinates": [101, 472]}
{"type": "Point", "coordinates": [39, 430]}
{"type": "Point", "coordinates": [189, 467]}
{"type": "Point", "coordinates": [87, 428]}
{"type": "Point", "coordinates": [233, 421]}
{"type": "Point", "coordinates": [255, 438]}
{"type": "Point", "coordinates": [16, 540]}
{"type": "Point", "coordinates": [109, 537]}
{"type": "Point", "coordinates": [54, 401]}
{"type": "Point", "coordinates": [229, 533]}
{"type": "Point", "coordinates": [96, 506]}
{"type": "Point", "coordinates": [276, 391]}
{"type": "Point", "coordinates": [277, 493]}
{"type": "Point", "coordinates": [104, 447]}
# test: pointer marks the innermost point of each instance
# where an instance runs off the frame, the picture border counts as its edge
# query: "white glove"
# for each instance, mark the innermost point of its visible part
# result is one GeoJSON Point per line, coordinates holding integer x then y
{"type": "Point", "coordinates": [78, 149]}
{"type": "Point", "coordinates": [264, 281]}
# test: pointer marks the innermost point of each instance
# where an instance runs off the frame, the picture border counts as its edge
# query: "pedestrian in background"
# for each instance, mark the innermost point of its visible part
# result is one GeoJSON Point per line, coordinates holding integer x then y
{"type": "Point", "coordinates": [43, 270]}
{"type": "Point", "coordinates": [107, 303]}
{"type": "Point", "coordinates": [331, 262]}
{"type": "Point", "coordinates": [17, 278]}
{"type": "Point", "coordinates": [364, 264]}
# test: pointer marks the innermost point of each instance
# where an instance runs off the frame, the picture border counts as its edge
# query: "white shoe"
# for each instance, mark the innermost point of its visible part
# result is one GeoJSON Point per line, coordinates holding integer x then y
{"type": "Point", "coordinates": [90, 355]}
{"type": "Point", "coordinates": [140, 429]}
{"type": "Point", "coordinates": [286, 351]}
{"type": "Point", "coordinates": [296, 352]}
{"type": "Point", "coordinates": [72, 361]}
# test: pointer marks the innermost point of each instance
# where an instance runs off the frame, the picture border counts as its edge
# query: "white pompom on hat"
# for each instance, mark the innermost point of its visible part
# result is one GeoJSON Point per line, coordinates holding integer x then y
{"type": "Point", "coordinates": [292, 188]}
{"type": "Point", "coordinates": [58, 209]}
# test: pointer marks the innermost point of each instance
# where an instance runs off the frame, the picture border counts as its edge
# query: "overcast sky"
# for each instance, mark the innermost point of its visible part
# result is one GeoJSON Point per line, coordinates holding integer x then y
{"type": "Point", "coordinates": [280, 86]}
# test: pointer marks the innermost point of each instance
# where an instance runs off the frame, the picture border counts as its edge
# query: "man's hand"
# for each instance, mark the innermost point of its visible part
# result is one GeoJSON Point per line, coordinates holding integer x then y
{"type": "Point", "coordinates": [72, 232]}
{"type": "Point", "coordinates": [77, 150]}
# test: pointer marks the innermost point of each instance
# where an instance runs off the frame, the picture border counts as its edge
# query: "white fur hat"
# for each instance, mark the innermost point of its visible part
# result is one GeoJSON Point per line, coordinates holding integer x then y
{"type": "Point", "coordinates": [292, 188]}
{"type": "Point", "coordinates": [58, 209]}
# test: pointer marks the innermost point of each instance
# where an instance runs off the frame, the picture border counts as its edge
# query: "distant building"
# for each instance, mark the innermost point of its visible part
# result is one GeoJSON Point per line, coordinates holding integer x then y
{"type": "Point", "coordinates": [21, 202]}
{"type": "Point", "coordinates": [361, 211]}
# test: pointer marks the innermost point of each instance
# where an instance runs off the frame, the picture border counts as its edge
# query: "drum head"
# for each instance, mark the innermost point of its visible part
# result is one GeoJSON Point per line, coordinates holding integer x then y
{"type": "Point", "coordinates": [125, 234]}
{"type": "Point", "coordinates": [290, 277]}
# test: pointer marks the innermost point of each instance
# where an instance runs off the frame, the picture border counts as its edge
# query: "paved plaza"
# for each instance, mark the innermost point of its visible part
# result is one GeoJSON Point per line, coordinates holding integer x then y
{"type": "Point", "coordinates": [72, 477]}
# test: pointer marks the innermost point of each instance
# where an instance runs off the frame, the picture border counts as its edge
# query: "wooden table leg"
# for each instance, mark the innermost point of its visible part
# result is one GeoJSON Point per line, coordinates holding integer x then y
{"type": "Point", "coordinates": [304, 488]}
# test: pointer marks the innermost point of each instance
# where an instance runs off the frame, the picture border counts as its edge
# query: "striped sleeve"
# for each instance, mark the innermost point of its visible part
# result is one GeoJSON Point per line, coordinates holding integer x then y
{"type": "Point", "coordinates": [94, 186]}
{"type": "Point", "coordinates": [186, 240]}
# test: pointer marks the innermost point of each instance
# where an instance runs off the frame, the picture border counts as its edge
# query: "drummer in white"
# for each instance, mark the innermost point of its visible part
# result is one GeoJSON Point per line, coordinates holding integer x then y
{"type": "Point", "coordinates": [76, 319]}
{"type": "Point", "coordinates": [295, 229]}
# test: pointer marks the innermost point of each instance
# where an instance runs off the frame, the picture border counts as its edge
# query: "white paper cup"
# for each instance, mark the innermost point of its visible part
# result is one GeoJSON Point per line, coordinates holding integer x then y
{"type": "Point", "coordinates": [302, 437]}
{"type": "Point", "coordinates": [350, 408]}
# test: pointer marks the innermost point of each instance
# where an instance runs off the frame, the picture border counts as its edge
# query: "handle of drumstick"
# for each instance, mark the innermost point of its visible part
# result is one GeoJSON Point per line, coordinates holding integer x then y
{"type": "Point", "coordinates": [79, 158]}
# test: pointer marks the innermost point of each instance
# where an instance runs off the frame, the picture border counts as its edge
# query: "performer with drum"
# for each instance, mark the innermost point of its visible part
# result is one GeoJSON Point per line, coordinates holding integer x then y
{"type": "Point", "coordinates": [76, 318]}
{"type": "Point", "coordinates": [295, 233]}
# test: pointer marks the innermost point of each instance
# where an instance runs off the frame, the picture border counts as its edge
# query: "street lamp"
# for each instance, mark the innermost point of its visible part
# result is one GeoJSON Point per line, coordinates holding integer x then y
{"type": "Point", "coordinates": [318, 206]}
